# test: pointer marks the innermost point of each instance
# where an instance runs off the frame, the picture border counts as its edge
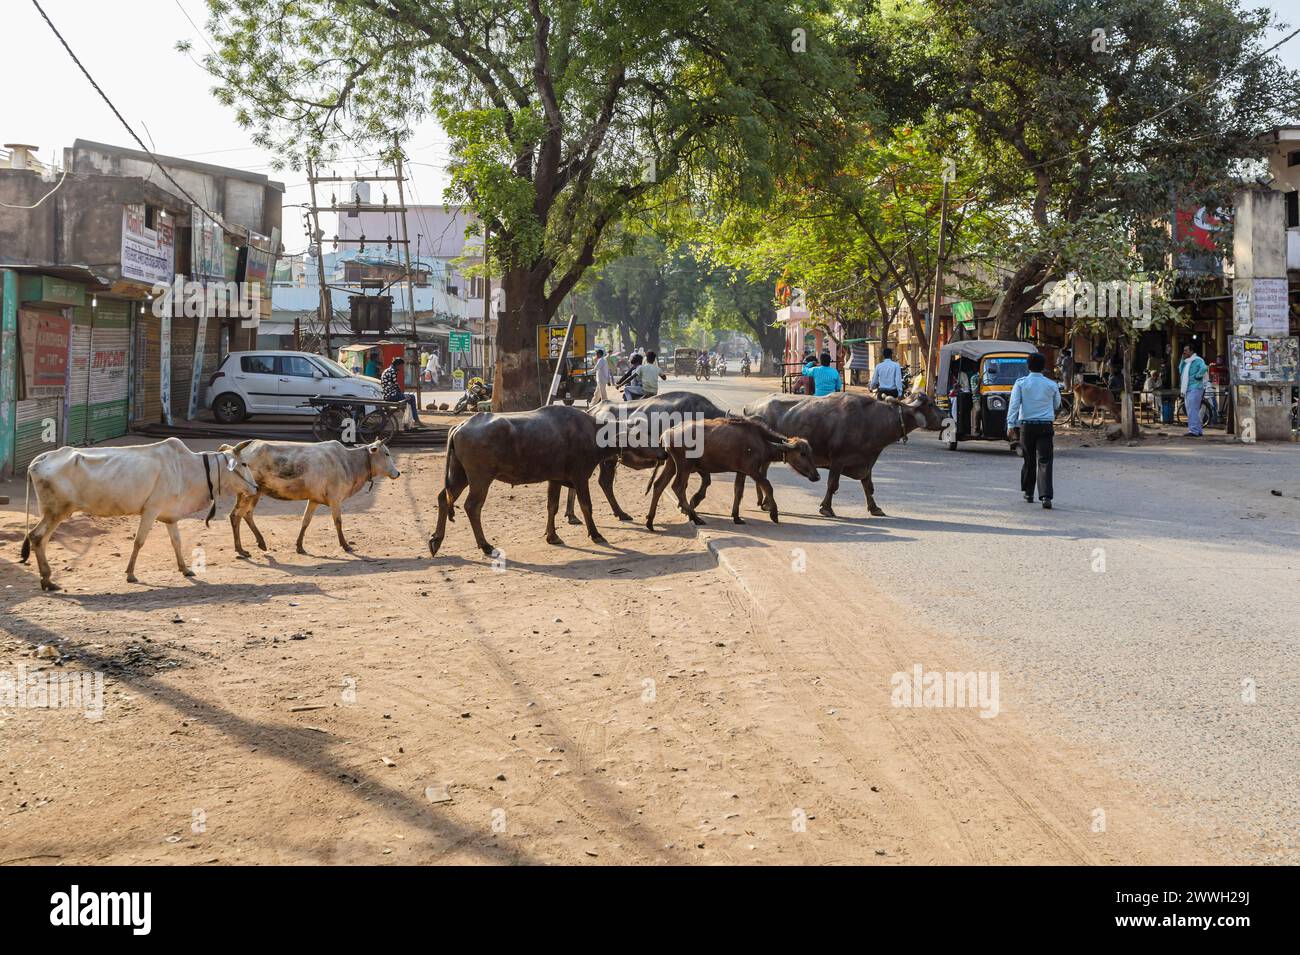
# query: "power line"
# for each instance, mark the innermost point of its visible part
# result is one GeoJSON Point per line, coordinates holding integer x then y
{"type": "Point", "coordinates": [104, 96]}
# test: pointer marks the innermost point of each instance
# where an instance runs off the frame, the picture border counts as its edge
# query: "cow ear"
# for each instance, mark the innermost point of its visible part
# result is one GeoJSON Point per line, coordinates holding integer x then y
{"type": "Point", "coordinates": [232, 461]}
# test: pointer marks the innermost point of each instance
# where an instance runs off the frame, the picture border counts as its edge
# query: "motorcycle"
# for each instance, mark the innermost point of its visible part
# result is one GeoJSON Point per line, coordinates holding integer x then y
{"type": "Point", "coordinates": [721, 368]}
{"type": "Point", "coordinates": [702, 368]}
{"type": "Point", "coordinates": [476, 390]}
{"type": "Point", "coordinates": [744, 367]}
{"type": "Point", "coordinates": [906, 374]}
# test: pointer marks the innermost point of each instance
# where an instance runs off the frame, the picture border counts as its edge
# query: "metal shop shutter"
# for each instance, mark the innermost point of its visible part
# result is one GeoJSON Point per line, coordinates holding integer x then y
{"type": "Point", "coordinates": [97, 376]}
{"type": "Point", "coordinates": [183, 330]}
{"type": "Point", "coordinates": [35, 417]}
{"type": "Point", "coordinates": [147, 405]}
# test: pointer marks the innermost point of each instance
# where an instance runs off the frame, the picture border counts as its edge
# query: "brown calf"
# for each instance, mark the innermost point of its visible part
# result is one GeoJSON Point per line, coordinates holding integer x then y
{"type": "Point", "coordinates": [1098, 398]}
{"type": "Point", "coordinates": [745, 446]}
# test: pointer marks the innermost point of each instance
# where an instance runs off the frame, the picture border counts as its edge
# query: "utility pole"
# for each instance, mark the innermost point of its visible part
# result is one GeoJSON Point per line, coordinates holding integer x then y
{"type": "Point", "coordinates": [487, 308]}
{"type": "Point", "coordinates": [938, 291]}
{"type": "Point", "coordinates": [318, 237]}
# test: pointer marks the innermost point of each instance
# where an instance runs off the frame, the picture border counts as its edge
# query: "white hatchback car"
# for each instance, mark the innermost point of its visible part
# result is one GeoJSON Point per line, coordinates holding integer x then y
{"type": "Point", "coordinates": [280, 382]}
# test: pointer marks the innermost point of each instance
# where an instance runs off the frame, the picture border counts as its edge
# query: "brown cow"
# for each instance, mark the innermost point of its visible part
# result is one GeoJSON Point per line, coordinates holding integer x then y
{"type": "Point", "coordinates": [556, 445]}
{"type": "Point", "coordinates": [743, 445]}
{"type": "Point", "coordinates": [1097, 397]}
{"type": "Point", "coordinates": [847, 432]}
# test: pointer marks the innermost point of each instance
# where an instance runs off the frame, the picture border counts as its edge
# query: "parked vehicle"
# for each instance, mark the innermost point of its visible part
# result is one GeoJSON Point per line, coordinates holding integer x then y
{"type": "Point", "coordinates": [974, 387]}
{"type": "Point", "coordinates": [280, 383]}
{"type": "Point", "coordinates": [476, 390]}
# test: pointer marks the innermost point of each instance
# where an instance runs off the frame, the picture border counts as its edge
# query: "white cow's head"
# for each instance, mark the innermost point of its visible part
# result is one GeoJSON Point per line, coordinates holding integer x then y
{"type": "Point", "coordinates": [241, 472]}
{"type": "Point", "coordinates": [381, 460]}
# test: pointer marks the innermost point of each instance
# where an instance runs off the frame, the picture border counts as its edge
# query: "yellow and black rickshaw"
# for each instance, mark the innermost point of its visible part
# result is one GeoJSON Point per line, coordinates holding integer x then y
{"type": "Point", "coordinates": [974, 387]}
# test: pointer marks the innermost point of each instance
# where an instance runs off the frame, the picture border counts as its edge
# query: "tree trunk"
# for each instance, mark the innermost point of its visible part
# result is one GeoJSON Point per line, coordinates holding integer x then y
{"type": "Point", "coordinates": [516, 386]}
{"type": "Point", "coordinates": [1128, 412]}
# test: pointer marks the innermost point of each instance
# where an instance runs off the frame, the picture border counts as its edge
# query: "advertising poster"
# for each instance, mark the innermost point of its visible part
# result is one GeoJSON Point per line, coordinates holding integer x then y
{"type": "Point", "coordinates": [207, 247]}
{"type": "Point", "coordinates": [148, 255]}
{"type": "Point", "coordinates": [45, 339]}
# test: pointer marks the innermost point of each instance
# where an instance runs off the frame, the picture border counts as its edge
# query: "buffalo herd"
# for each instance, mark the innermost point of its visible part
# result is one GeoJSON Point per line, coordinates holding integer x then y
{"type": "Point", "coordinates": [558, 445]}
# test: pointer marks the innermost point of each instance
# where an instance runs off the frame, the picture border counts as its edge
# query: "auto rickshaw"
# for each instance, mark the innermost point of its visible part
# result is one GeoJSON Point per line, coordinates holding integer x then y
{"type": "Point", "coordinates": [684, 360]}
{"type": "Point", "coordinates": [974, 387]}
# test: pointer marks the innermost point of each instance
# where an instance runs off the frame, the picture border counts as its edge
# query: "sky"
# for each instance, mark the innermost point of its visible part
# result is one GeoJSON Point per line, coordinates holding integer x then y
{"type": "Point", "coordinates": [129, 47]}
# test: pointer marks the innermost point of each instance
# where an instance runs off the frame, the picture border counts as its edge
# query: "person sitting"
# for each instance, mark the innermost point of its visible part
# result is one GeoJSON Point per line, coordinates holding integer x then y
{"type": "Point", "coordinates": [632, 383]}
{"type": "Point", "coordinates": [826, 380]}
{"type": "Point", "coordinates": [391, 383]}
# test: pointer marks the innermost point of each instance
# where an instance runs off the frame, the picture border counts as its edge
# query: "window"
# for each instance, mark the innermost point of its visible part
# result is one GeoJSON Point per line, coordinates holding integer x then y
{"type": "Point", "coordinates": [1292, 209]}
{"type": "Point", "coordinates": [295, 366]}
{"type": "Point", "coordinates": [1293, 158]}
{"type": "Point", "coordinates": [257, 365]}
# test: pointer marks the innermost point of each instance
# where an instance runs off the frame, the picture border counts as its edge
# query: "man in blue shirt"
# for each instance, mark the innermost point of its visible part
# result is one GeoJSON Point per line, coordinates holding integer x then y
{"type": "Point", "coordinates": [826, 380]}
{"type": "Point", "coordinates": [887, 379]}
{"type": "Point", "coordinates": [1034, 403]}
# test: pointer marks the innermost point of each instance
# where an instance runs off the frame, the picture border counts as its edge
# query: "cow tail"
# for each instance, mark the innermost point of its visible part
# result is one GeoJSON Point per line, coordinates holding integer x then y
{"type": "Point", "coordinates": [27, 517]}
{"type": "Point", "coordinates": [653, 474]}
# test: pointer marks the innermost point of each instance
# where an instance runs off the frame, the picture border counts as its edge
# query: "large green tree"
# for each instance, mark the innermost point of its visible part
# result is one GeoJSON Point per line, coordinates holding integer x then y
{"type": "Point", "coordinates": [564, 115]}
{"type": "Point", "coordinates": [1074, 109]}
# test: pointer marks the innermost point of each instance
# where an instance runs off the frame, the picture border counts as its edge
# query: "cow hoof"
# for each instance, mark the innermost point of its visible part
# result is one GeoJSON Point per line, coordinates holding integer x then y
{"type": "Point", "coordinates": [697, 521]}
{"type": "Point", "coordinates": [826, 512]}
{"type": "Point", "coordinates": [572, 519]}
{"type": "Point", "coordinates": [243, 555]}
{"type": "Point", "coordinates": [774, 517]}
{"type": "Point", "coordinates": [434, 544]}
{"type": "Point", "coordinates": [765, 506]}
{"type": "Point", "coordinates": [349, 548]}
{"type": "Point", "coordinates": [553, 539]}
{"type": "Point", "coordinates": [489, 551]}
{"type": "Point", "coordinates": [738, 520]}
{"type": "Point", "coordinates": [623, 516]}
{"type": "Point", "coordinates": [597, 539]}
{"type": "Point", "coordinates": [261, 545]}
{"type": "Point", "coordinates": [188, 573]}
{"type": "Point", "coordinates": [877, 512]}
{"type": "Point", "coordinates": [49, 585]}
{"type": "Point", "coordinates": [131, 579]}
{"type": "Point", "coordinates": [649, 525]}
{"type": "Point", "coordinates": [300, 549]}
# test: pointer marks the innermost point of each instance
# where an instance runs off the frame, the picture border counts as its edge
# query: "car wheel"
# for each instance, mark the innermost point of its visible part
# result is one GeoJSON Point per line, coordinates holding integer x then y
{"type": "Point", "coordinates": [229, 409]}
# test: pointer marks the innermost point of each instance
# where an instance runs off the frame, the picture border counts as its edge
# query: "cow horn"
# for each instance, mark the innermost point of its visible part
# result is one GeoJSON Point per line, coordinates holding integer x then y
{"type": "Point", "coordinates": [240, 446]}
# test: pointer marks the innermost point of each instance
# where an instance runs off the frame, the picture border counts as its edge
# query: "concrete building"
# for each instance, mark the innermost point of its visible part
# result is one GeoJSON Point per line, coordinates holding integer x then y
{"type": "Point", "coordinates": [84, 247]}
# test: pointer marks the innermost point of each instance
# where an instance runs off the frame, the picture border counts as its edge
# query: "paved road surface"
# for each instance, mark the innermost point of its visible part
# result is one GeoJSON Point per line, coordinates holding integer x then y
{"type": "Point", "coordinates": [1137, 619]}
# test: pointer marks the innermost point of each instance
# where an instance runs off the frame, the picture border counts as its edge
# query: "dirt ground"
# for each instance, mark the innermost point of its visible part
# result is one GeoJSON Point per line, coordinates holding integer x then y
{"type": "Point", "coordinates": [634, 703]}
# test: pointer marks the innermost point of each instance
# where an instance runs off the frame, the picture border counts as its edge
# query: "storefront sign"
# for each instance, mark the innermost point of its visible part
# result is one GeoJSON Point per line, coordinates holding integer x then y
{"type": "Point", "coordinates": [148, 255]}
{"type": "Point", "coordinates": [51, 290]}
{"type": "Point", "coordinates": [45, 339]}
{"type": "Point", "coordinates": [459, 341]}
{"type": "Point", "coordinates": [165, 366]}
{"type": "Point", "coordinates": [208, 254]}
{"type": "Point", "coordinates": [963, 314]}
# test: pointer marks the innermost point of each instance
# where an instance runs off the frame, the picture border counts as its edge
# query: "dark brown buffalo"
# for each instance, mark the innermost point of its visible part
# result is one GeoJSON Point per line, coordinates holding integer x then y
{"type": "Point", "coordinates": [555, 445]}
{"type": "Point", "coordinates": [847, 432]}
{"type": "Point", "coordinates": [684, 403]}
{"type": "Point", "coordinates": [745, 446]}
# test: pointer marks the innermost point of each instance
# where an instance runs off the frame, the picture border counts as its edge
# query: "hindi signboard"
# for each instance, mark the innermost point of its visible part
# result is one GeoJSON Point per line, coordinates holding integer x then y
{"type": "Point", "coordinates": [1264, 361]}
{"type": "Point", "coordinates": [459, 341]}
{"type": "Point", "coordinates": [207, 247]}
{"type": "Point", "coordinates": [45, 339]}
{"type": "Point", "coordinates": [148, 254]}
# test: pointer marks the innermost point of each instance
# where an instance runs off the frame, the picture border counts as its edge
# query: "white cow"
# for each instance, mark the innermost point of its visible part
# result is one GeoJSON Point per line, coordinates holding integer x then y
{"type": "Point", "coordinates": [327, 473]}
{"type": "Point", "coordinates": [160, 482]}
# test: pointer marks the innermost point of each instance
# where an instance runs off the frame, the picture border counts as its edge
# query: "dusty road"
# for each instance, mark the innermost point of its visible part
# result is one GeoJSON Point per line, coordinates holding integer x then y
{"type": "Point", "coordinates": [721, 695]}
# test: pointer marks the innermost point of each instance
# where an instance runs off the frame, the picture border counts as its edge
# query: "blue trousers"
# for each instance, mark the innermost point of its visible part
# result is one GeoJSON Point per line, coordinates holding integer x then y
{"type": "Point", "coordinates": [1194, 397]}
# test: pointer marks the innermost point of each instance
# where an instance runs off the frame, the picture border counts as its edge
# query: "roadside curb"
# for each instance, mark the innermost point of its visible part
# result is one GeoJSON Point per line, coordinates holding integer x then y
{"type": "Point", "coordinates": [725, 562]}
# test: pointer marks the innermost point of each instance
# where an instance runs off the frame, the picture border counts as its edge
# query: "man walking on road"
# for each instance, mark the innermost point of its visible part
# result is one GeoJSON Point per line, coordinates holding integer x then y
{"type": "Point", "coordinates": [1191, 372]}
{"type": "Point", "coordinates": [1035, 399]}
{"type": "Point", "coordinates": [887, 378]}
{"type": "Point", "coordinates": [604, 377]}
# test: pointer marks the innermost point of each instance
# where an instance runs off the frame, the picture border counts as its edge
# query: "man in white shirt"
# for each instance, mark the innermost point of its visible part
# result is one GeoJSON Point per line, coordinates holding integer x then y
{"type": "Point", "coordinates": [650, 374]}
{"type": "Point", "coordinates": [604, 377]}
{"type": "Point", "coordinates": [887, 378]}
